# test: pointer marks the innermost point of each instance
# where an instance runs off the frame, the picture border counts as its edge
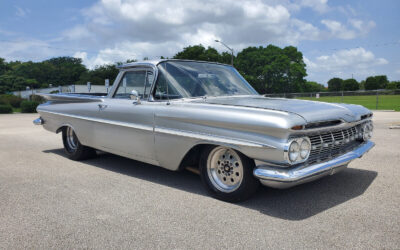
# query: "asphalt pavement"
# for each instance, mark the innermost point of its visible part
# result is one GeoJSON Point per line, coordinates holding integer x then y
{"type": "Point", "coordinates": [49, 201]}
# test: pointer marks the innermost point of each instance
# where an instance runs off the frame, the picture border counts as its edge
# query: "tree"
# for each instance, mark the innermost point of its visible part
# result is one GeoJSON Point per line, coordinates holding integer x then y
{"type": "Point", "coordinates": [335, 84]}
{"type": "Point", "coordinates": [66, 70]}
{"type": "Point", "coordinates": [272, 69]}
{"type": "Point", "coordinates": [362, 85]}
{"type": "Point", "coordinates": [10, 82]}
{"type": "Point", "coordinates": [4, 67]}
{"type": "Point", "coordinates": [376, 82]}
{"type": "Point", "coordinates": [314, 87]}
{"type": "Point", "coordinates": [350, 85]}
{"type": "Point", "coordinates": [198, 52]}
{"type": "Point", "coordinates": [99, 74]}
{"type": "Point", "coordinates": [393, 85]}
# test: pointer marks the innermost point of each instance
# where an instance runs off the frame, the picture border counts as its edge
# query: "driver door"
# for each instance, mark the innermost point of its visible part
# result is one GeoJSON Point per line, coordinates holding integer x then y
{"type": "Point", "coordinates": [127, 126]}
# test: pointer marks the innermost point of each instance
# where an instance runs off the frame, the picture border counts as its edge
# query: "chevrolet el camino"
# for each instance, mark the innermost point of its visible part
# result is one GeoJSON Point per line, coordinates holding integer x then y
{"type": "Point", "coordinates": [179, 113]}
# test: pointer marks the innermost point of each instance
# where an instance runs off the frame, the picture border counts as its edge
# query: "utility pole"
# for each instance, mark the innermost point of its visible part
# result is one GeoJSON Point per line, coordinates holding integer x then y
{"type": "Point", "coordinates": [231, 50]}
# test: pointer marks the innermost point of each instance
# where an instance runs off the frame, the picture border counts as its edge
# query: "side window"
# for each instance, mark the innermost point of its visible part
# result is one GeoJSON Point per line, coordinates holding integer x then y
{"type": "Point", "coordinates": [164, 89]}
{"type": "Point", "coordinates": [149, 81]}
{"type": "Point", "coordinates": [132, 80]}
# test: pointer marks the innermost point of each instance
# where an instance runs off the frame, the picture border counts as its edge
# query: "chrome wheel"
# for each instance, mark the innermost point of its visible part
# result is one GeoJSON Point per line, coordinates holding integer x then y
{"type": "Point", "coordinates": [225, 169]}
{"type": "Point", "coordinates": [72, 140]}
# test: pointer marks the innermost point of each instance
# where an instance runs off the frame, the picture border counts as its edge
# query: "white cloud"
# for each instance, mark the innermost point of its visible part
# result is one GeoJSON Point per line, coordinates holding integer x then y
{"type": "Point", "coordinates": [320, 6]}
{"type": "Point", "coordinates": [356, 28]}
{"type": "Point", "coordinates": [337, 29]}
{"type": "Point", "coordinates": [22, 49]}
{"type": "Point", "coordinates": [21, 12]}
{"type": "Point", "coordinates": [344, 63]}
{"type": "Point", "coordinates": [362, 26]}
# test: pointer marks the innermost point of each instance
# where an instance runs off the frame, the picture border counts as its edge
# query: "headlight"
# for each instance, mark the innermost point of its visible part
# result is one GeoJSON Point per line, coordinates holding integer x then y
{"type": "Point", "coordinates": [305, 149]}
{"type": "Point", "coordinates": [298, 150]}
{"type": "Point", "coordinates": [294, 151]}
{"type": "Point", "coordinates": [367, 129]}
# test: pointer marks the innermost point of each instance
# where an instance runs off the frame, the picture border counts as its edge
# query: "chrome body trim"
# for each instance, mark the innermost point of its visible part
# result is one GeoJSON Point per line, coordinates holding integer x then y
{"type": "Point", "coordinates": [122, 124]}
{"type": "Point", "coordinates": [285, 178]}
{"type": "Point", "coordinates": [212, 138]}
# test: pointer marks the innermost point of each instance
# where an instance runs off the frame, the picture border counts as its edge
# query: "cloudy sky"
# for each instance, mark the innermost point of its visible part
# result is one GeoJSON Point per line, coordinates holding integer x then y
{"type": "Point", "coordinates": [338, 38]}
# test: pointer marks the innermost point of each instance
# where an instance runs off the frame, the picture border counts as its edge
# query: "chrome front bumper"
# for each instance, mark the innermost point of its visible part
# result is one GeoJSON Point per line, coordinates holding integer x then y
{"type": "Point", "coordinates": [284, 178]}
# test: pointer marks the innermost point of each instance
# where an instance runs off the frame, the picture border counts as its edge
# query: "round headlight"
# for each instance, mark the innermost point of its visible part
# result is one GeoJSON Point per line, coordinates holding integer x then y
{"type": "Point", "coordinates": [367, 131]}
{"type": "Point", "coordinates": [304, 149]}
{"type": "Point", "coordinates": [294, 151]}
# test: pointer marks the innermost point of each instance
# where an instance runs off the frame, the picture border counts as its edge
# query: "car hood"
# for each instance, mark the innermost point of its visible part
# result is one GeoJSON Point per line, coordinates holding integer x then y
{"type": "Point", "coordinates": [311, 111]}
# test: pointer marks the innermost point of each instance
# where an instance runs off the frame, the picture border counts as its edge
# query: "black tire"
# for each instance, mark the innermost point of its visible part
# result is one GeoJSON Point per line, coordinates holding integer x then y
{"type": "Point", "coordinates": [243, 190]}
{"type": "Point", "coordinates": [77, 152]}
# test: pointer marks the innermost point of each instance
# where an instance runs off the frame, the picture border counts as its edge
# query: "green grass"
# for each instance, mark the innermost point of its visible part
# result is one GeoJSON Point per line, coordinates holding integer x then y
{"type": "Point", "coordinates": [385, 102]}
{"type": "Point", "coordinates": [16, 110]}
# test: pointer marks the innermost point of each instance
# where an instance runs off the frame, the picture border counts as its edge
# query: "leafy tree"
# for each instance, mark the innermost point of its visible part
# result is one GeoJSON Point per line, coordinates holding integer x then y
{"type": "Point", "coordinates": [56, 71]}
{"type": "Point", "coordinates": [393, 85]}
{"type": "Point", "coordinates": [99, 74]}
{"type": "Point", "coordinates": [362, 85]}
{"type": "Point", "coordinates": [272, 69]}
{"type": "Point", "coordinates": [4, 67]}
{"type": "Point", "coordinates": [9, 83]}
{"type": "Point", "coordinates": [198, 52]}
{"type": "Point", "coordinates": [350, 85]}
{"type": "Point", "coordinates": [314, 87]}
{"type": "Point", "coordinates": [376, 82]}
{"type": "Point", "coordinates": [66, 70]}
{"type": "Point", "coordinates": [335, 84]}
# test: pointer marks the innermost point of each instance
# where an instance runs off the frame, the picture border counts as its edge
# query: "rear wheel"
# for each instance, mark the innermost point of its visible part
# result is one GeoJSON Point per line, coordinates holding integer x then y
{"type": "Point", "coordinates": [227, 174]}
{"type": "Point", "coordinates": [73, 148]}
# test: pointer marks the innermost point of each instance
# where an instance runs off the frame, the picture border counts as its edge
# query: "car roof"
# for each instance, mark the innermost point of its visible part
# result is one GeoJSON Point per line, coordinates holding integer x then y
{"type": "Point", "coordinates": [156, 62]}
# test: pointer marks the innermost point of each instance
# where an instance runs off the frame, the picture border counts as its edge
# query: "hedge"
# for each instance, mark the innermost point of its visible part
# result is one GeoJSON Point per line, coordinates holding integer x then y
{"type": "Point", "coordinates": [29, 106]}
{"type": "Point", "coordinates": [5, 109]}
{"type": "Point", "coordinates": [14, 101]}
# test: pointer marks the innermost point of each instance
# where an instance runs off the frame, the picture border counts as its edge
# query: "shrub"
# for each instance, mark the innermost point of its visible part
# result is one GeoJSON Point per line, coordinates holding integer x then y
{"type": "Point", "coordinates": [2, 101]}
{"type": "Point", "coordinates": [14, 101]}
{"type": "Point", "coordinates": [391, 85]}
{"type": "Point", "coordinates": [37, 98]}
{"type": "Point", "coordinates": [5, 109]}
{"type": "Point", "coordinates": [29, 106]}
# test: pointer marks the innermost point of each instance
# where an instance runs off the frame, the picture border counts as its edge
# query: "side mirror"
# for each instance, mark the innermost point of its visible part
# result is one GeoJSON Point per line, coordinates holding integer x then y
{"type": "Point", "coordinates": [135, 97]}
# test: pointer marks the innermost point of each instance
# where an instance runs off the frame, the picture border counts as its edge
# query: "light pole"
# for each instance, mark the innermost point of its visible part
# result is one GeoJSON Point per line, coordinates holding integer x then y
{"type": "Point", "coordinates": [218, 41]}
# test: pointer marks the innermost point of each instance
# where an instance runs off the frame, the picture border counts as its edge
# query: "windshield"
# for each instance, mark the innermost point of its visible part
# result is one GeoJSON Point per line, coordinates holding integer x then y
{"type": "Point", "coordinates": [184, 79]}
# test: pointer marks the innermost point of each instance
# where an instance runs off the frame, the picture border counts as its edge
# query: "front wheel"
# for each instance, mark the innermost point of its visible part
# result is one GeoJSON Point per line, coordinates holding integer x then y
{"type": "Point", "coordinates": [73, 148]}
{"type": "Point", "coordinates": [227, 174]}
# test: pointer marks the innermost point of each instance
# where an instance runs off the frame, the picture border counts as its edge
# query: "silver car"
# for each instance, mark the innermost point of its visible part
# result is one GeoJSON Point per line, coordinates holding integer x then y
{"type": "Point", "coordinates": [177, 114]}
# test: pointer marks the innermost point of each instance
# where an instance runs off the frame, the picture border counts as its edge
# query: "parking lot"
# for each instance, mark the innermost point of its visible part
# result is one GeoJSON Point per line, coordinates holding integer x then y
{"type": "Point", "coordinates": [49, 201]}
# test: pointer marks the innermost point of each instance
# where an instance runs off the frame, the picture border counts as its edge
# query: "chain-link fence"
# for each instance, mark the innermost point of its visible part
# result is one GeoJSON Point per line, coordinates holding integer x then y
{"type": "Point", "coordinates": [375, 99]}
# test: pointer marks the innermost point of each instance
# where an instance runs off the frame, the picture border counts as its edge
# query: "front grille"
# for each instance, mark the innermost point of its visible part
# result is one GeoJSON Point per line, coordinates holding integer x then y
{"type": "Point", "coordinates": [328, 145]}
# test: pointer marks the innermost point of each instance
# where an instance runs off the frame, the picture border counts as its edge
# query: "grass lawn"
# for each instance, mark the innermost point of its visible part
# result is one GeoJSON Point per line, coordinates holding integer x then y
{"type": "Point", "coordinates": [387, 102]}
{"type": "Point", "coordinates": [16, 110]}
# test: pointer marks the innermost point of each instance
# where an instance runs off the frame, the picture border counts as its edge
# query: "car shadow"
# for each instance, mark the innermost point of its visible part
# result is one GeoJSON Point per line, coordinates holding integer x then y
{"type": "Point", "coordinates": [296, 203]}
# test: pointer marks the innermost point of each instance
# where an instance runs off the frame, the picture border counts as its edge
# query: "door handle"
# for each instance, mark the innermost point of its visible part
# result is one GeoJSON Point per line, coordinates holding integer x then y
{"type": "Point", "coordinates": [102, 106]}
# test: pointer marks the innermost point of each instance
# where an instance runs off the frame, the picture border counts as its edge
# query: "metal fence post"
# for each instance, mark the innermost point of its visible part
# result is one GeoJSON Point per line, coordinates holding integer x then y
{"type": "Point", "coordinates": [342, 96]}
{"type": "Point", "coordinates": [377, 99]}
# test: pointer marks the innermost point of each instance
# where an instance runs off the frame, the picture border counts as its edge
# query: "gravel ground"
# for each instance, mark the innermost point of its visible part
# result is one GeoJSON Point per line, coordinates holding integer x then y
{"type": "Point", "coordinates": [48, 201]}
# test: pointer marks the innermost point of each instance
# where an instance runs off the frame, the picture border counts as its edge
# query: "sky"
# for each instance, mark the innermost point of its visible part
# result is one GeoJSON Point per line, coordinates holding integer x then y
{"type": "Point", "coordinates": [345, 39]}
